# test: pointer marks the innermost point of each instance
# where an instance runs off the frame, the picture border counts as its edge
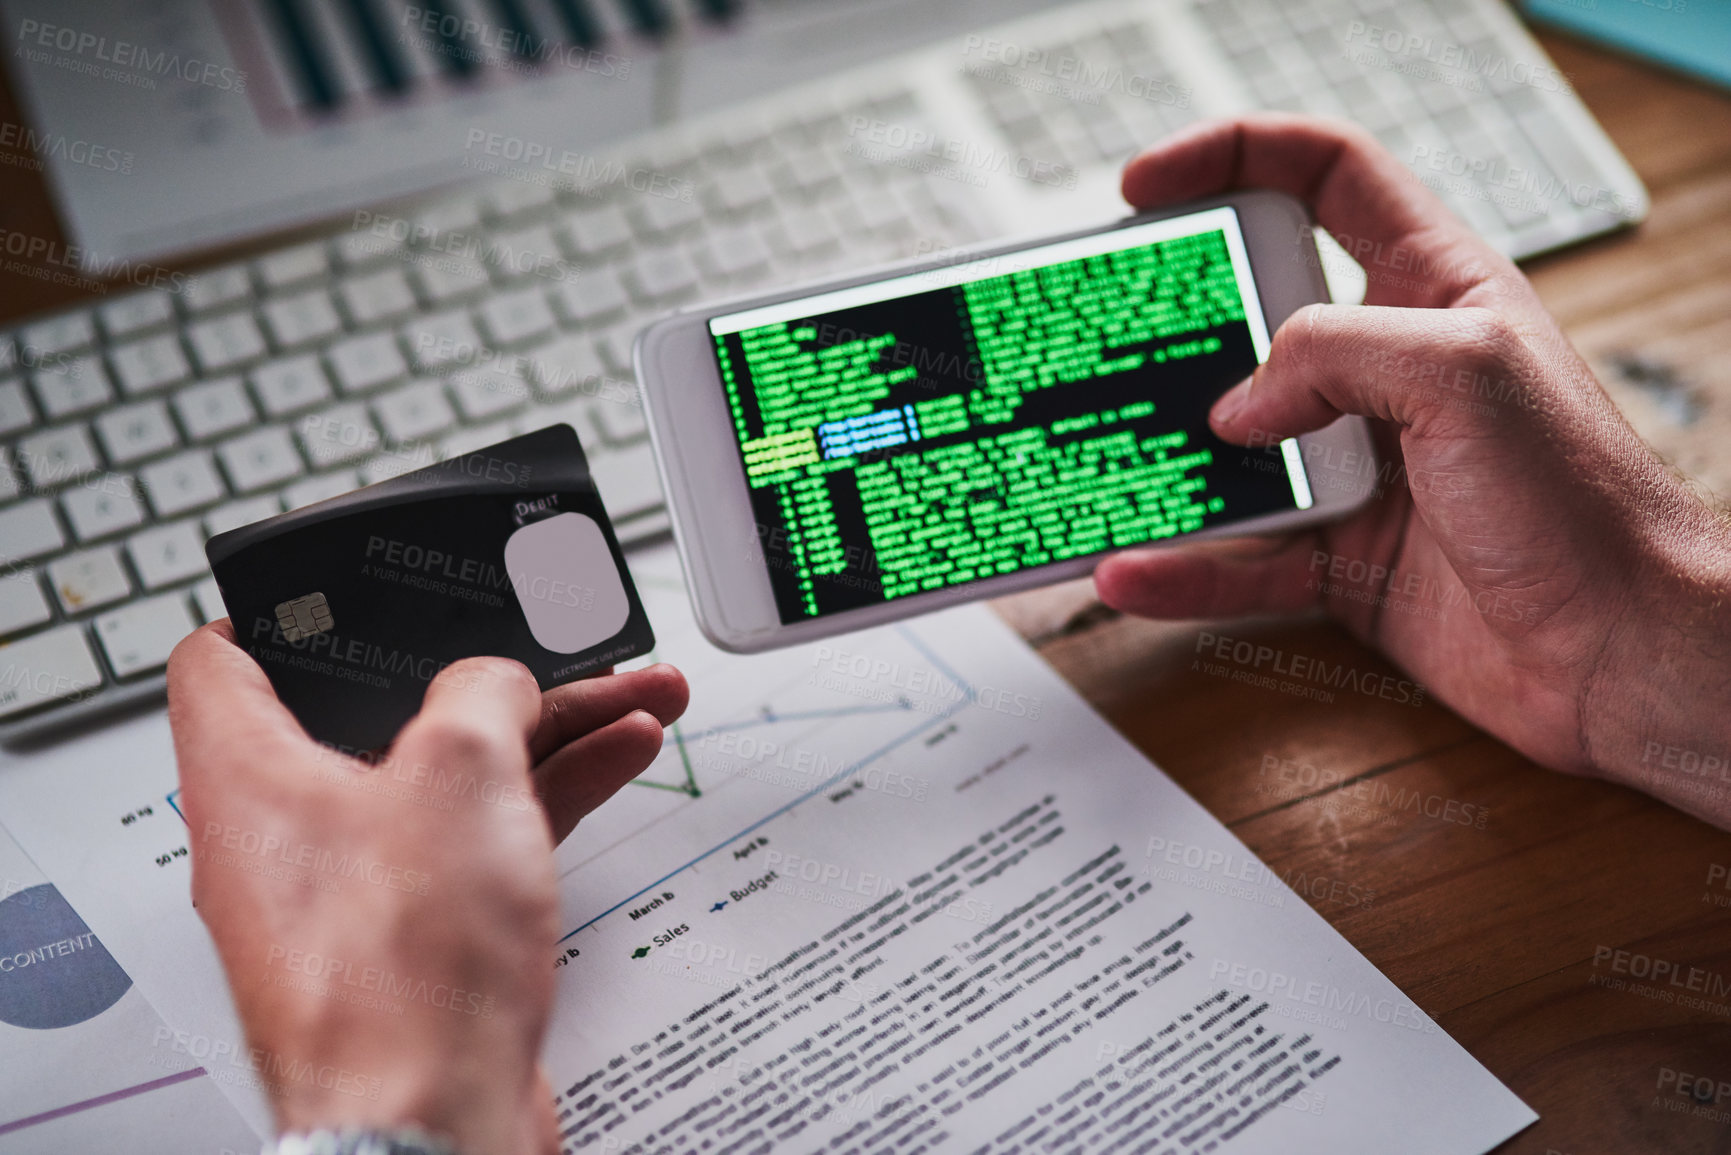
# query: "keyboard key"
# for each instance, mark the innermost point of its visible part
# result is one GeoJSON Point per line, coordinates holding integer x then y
{"type": "Point", "coordinates": [215, 288]}
{"type": "Point", "coordinates": [366, 362]}
{"type": "Point", "coordinates": [235, 514]}
{"type": "Point", "coordinates": [28, 530]}
{"type": "Point", "coordinates": [517, 317]}
{"type": "Point", "coordinates": [133, 432]}
{"type": "Point", "coordinates": [166, 554]}
{"type": "Point", "coordinates": [596, 233]}
{"type": "Point", "coordinates": [22, 603]}
{"type": "Point", "coordinates": [735, 252]}
{"type": "Point", "coordinates": [441, 339]}
{"type": "Point", "coordinates": [739, 189]}
{"type": "Point", "coordinates": [414, 411]}
{"type": "Point", "coordinates": [452, 278]}
{"type": "Point", "coordinates": [137, 314]}
{"type": "Point", "coordinates": [94, 577]}
{"type": "Point", "coordinates": [340, 433]}
{"type": "Point", "coordinates": [508, 202]}
{"type": "Point", "coordinates": [397, 461]}
{"type": "Point", "coordinates": [56, 456]}
{"type": "Point", "coordinates": [362, 247]}
{"type": "Point", "coordinates": [73, 386]}
{"type": "Point", "coordinates": [459, 215]}
{"type": "Point", "coordinates": [150, 363]}
{"type": "Point", "coordinates": [473, 438]}
{"type": "Point", "coordinates": [805, 231]}
{"type": "Point", "coordinates": [615, 348]}
{"type": "Point", "coordinates": [570, 363]}
{"type": "Point", "coordinates": [663, 217]}
{"type": "Point", "coordinates": [259, 459]}
{"type": "Point", "coordinates": [591, 297]}
{"type": "Point", "coordinates": [290, 385]}
{"type": "Point", "coordinates": [213, 408]}
{"type": "Point", "coordinates": [621, 423]}
{"type": "Point", "coordinates": [301, 319]}
{"type": "Point", "coordinates": [317, 489]}
{"type": "Point", "coordinates": [182, 482]}
{"type": "Point", "coordinates": [483, 393]}
{"type": "Point", "coordinates": [807, 173]}
{"type": "Point", "coordinates": [63, 334]}
{"type": "Point", "coordinates": [627, 480]}
{"type": "Point", "coordinates": [47, 667]}
{"type": "Point", "coordinates": [293, 265]}
{"type": "Point", "coordinates": [15, 412]}
{"type": "Point", "coordinates": [207, 600]}
{"type": "Point", "coordinates": [138, 638]}
{"type": "Point", "coordinates": [662, 275]}
{"type": "Point", "coordinates": [225, 341]}
{"type": "Point", "coordinates": [381, 296]}
{"type": "Point", "coordinates": [528, 252]}
{"type": "Point", "coordinates": [870, 214]}
{"type": "Point", "coordinates": [102, 505]}
{"type": "Point", "coordinates": [576, 412]}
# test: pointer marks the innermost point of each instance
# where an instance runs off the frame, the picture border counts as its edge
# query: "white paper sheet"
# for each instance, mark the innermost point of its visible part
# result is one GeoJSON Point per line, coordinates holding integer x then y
{"type": "Point", "coordinates": [898, 886]}
{"type": "Point", "coordinates": [77, 1042]}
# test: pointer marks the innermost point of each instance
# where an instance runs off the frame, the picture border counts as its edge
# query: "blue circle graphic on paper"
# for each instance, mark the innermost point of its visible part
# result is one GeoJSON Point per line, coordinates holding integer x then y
{"type": "Point", "coordinates": [53, 972]}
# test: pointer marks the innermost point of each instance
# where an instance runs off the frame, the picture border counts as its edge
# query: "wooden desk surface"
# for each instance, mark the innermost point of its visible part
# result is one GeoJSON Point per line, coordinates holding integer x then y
{"type": "Point", "coordinates": [1493, 929]}
{"type": "Point", "coordinates": [1484, 886]}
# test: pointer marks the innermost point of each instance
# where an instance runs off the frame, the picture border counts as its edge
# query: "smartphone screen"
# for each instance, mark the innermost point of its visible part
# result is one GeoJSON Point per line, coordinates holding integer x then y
{"type": "Point", "coordinates": [951, 425]}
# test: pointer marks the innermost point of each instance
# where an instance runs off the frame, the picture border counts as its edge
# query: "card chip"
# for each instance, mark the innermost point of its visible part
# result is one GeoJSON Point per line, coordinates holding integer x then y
{"type": "Point", "coordinates": [304, 616]}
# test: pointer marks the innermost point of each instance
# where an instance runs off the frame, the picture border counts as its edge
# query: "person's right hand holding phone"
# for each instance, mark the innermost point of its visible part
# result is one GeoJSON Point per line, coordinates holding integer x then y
{"type": "Point", "coordinates": [1586, 589]}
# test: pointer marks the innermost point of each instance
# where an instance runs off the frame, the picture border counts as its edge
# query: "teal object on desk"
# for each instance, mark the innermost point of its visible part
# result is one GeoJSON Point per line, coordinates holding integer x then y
{"type": "Point", "coordinates": [1691, 35]}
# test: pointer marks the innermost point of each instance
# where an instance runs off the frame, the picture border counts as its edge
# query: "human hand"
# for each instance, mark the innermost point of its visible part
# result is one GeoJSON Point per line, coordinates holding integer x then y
{"type": "Point", "coordinates": [1578, 584]}
{"type": "Point", "coordinates": [388, 928]}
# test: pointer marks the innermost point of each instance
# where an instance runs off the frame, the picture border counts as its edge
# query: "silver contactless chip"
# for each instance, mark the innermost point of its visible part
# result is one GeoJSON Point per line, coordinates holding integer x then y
{"type": "Point", "coordinates": [304, 616]}
{"type": "Point", "coordinates": [566, 582]}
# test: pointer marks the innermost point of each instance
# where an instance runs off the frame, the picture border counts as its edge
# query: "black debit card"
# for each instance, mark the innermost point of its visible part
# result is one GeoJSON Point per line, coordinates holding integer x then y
{"type": "Point", "coordinates": [355, 604]}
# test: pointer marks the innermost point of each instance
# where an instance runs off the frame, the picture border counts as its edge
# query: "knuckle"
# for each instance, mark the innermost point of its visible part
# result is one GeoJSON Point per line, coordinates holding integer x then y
{"type": "Point", "coordinates": [1295, 342]}
{"type": "Point", "coordinates": [1487, 338]}
{"type": "Point", "coordinates": [454, 739]}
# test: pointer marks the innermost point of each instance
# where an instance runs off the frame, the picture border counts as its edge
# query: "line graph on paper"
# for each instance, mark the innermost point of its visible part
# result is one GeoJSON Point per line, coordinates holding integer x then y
{"type": "Point", "coordinates": [767, 733]}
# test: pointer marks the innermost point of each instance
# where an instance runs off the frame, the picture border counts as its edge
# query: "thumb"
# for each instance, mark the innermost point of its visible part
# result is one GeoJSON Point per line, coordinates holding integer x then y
{"type": "Point", "coordinates": [478, 715]}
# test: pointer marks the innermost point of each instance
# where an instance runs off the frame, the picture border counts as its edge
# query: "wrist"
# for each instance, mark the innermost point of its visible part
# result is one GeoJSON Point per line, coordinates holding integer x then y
{"type": "Point", "coordinates": [398, 1042]}
{"type": "Point", "coordinates": [466, 1081]}
{"type": "Point", "coordinates": [1653, 716]}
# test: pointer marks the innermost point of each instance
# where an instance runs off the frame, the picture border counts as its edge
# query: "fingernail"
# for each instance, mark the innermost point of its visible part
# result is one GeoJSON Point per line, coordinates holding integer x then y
{"type": "Point", "coordinates": [1227, 409]}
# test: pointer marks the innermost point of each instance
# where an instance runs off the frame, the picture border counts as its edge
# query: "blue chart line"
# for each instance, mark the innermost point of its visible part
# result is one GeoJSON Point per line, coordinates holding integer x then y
{"type": "Point", "coordinates": [172, 795]}
{"type": "Point", "coordinates": [968, 696]}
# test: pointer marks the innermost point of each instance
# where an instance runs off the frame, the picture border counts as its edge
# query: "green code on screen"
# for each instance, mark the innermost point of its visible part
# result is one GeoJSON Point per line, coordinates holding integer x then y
{"type": "Point", "coordinates": [962, 432]}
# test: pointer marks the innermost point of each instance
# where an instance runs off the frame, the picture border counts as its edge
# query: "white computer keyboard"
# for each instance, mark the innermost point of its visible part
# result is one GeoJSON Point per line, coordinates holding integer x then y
{"type": "Point", "coordinates": [133, 429]}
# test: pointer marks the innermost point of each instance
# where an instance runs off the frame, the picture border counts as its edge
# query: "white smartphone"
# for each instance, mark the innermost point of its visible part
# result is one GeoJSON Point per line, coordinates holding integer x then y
{"type": "Point", "coordinates": [841, 455]}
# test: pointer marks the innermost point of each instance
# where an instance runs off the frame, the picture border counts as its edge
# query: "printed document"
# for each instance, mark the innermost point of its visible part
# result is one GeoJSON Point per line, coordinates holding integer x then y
{"type": "Point", "coordinates": [903, 889]}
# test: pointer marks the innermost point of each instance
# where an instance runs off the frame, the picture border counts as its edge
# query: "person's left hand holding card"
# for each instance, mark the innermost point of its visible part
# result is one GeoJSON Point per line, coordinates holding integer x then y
{"type": "Point", "coordinates": [354, 605]}
{"type": "Point", "coordinates": [388, 922]}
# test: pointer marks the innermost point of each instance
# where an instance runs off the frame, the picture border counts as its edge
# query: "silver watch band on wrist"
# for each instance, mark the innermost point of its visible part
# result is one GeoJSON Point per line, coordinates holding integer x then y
{"type": "Point", "coordinates": [360, 1141]}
